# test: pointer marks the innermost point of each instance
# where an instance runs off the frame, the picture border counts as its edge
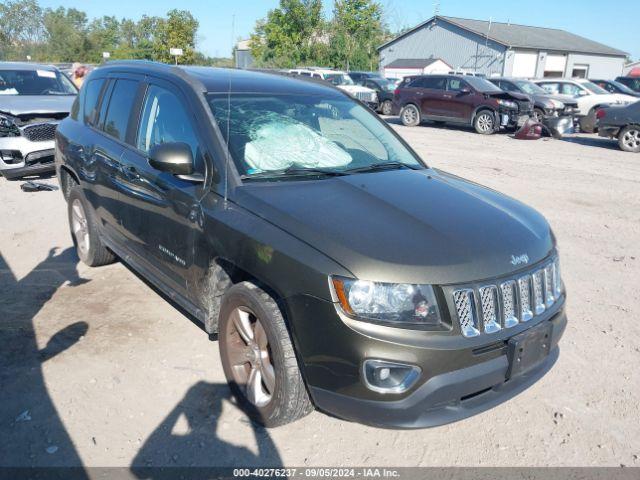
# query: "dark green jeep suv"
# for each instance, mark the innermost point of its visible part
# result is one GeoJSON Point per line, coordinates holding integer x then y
{"type": "Point", "coordinates": [336, 268]}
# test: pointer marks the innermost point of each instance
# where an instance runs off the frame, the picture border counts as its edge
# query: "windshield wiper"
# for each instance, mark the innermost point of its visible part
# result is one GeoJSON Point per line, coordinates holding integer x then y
{"type": "Point", "coordinates": [382, 166]}
{"type": "Point", "coordinates": [294, 172]}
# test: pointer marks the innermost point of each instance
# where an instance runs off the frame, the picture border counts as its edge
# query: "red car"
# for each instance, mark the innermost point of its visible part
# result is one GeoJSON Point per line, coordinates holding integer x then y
{"type": "Point", "coordinates": [462, 100]}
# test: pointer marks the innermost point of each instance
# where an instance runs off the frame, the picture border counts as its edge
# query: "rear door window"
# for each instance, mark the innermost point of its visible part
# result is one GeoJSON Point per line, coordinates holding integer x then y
{"type": "Point", "coordinates": [122, 100]}
{"type": "Point", "coordinates": [570, 89]}
{"type": "Point", "coordinates": [91, 97]}
{"type": "Point", "coordinates": [456, 84]}
{"type": "Point", "coordinates": [551, 87]}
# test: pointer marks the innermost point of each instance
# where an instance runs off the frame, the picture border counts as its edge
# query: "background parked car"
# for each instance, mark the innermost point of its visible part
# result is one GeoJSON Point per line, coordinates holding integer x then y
{"type": "Point", "coordinates": [545, 104]}
{"type": "Point", "coordinates": [622, 123]}
{"type": "Point", "coordinates": [360, 77]}
{"type": "Point", "coordinates": [590, 97]}
{"type": "Point", "coordinates": [384, 88]}
{"type": "Point", "coordinates": [342, 81]}
{"type": "Point", "coordinates": [613, 86]}
{"type": "Point", "coordinates": [632, 82]}
{"type": "Point", "coordinates": [463, 100]}
{"type": "Point", "coordinates": [33, 100]}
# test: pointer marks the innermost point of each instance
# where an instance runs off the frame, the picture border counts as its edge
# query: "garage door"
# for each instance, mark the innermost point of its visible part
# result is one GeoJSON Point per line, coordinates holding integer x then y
{"type": "Point", "coordinates": [524, 64]}
{"type": "Point", "coordinates": [555, 65]}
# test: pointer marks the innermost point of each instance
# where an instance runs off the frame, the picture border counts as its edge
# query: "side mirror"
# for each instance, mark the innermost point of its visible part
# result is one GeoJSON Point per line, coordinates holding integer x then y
{"type": "Point", "coordinates": [582, 93]}
{"type": "Point", "coordinates": [465, 91]}
{"type": "Point", "coordinates": [173, 157]}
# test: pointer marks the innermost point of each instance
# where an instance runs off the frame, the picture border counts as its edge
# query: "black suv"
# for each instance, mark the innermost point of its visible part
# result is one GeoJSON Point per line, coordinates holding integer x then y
{"type": "Point", "coordinates": [336, 268]}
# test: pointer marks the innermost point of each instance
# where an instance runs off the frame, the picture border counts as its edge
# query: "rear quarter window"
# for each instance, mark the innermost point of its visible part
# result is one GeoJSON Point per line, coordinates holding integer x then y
{"type": "Point", "coordinates": [121, 102]}
{"type": "Point", "coordinates": [91, 97]}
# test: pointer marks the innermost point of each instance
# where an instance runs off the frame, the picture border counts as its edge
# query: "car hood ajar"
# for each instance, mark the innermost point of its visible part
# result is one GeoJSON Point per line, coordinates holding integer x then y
{"type": "Point", "coordinates": [405, 225]}
{"type": "Point", "coordinates": [18, 105]}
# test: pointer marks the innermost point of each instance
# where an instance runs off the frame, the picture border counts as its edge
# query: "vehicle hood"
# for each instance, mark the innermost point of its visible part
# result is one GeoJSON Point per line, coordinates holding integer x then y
{"type": "Point", "coordinates": [509, 96]}
{"type": "Point", "coordinates": [355, 89]}
{"type": "Point", "coordinates": [19, 105]}
{"type": "Point", "coordinates": [614, 98]}
{"type": "Point", "coordinates": [566, 99]}
{"type": "Point", "coordinates": [405, 225]}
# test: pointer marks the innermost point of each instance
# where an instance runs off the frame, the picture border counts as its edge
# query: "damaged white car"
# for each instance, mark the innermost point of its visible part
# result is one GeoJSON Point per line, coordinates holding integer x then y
{"type": "Point", "coordinates": [33, 100]}
{"type": "Point", "coordinates": [343, 82]}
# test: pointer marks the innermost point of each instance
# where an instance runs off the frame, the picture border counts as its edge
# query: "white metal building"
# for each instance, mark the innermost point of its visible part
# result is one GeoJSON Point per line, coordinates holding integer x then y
{"type": "Point", "coordinates": [494, 48]}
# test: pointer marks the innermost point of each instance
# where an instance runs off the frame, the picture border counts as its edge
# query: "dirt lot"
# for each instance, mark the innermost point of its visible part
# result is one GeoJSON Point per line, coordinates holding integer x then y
{"type": "Point", "coordinates": [96, 369]}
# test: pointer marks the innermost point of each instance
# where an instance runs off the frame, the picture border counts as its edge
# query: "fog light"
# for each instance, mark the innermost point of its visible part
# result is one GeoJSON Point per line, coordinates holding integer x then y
{"type": "Point", "coordinates": [389, 377]}
{"type": "Point", "coordinates": [10, 156]}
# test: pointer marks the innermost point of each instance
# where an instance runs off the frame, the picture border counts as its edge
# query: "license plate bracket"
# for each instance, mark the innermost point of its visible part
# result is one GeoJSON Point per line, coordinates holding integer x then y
{"type": "Point", "coordinates": [528, 349]}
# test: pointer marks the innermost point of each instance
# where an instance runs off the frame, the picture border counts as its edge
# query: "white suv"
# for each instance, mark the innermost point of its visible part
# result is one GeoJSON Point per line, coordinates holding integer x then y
{"type": "Point", "coordinates": [342, 81]}
{"type": "Point", "coordinates": [589, 96]}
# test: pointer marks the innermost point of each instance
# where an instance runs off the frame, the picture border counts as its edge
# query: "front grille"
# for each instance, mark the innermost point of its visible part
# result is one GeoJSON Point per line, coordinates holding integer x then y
{"type": "Point", "coordinates": [40, 132]}
{"type": "Point", "coordinates": [492, 307]}
{"type": "Point", "coordinates": [366, 96]}
{"type": "Point", "coordinates": [524, 107]}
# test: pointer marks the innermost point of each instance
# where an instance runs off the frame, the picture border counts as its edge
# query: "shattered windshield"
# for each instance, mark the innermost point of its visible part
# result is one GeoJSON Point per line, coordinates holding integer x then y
{"type": "Point", "coordinates": [273, 134]}
{"type": "Point", "coordinates": [35, 82]}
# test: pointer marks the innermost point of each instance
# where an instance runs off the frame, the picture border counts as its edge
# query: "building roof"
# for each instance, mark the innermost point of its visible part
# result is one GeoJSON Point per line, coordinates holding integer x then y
{"type": "Point", "coordinates": [244, 44]}
{"type": "Point", "coordinates": [412, 62]}
{"type": "Point", "coordinates": [523, 36]}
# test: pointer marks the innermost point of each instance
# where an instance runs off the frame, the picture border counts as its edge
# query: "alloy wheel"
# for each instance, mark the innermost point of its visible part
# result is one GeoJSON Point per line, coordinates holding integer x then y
{"type": "Point", "coordinates": [485, 122]}
{"type": "Point", "coordinates": [249, 356]}
{"type": "Point", "coordinates": [410, 115]}
{"type": "Point", "coordinates": [631, 138]}
{"type": "Point", "coordinates": [79, 226]}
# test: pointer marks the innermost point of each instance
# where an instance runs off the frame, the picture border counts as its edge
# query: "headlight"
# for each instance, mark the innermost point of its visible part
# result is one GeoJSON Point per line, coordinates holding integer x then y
{"type": "Point", "coordinates": [394, 303]}
{"type": "Point", "coordinates": [507, 103]}
{"type": "Point", "coordinates": [8, 128]}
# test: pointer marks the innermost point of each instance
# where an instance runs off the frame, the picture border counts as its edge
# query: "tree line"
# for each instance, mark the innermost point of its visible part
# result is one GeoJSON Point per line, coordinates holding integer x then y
{"type": "Point", "coordinates": [297, 33]}
{"type": "Point", "coordinates": [68, 35]}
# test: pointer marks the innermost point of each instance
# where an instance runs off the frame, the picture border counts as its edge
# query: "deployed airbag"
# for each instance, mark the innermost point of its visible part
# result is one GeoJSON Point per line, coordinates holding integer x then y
{"type": "Point", "coordinates": [279, 142]}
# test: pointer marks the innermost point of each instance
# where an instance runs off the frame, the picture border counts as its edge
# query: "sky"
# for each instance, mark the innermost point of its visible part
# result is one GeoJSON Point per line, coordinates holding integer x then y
{"type": "Point", "coordinates": [223, 21]}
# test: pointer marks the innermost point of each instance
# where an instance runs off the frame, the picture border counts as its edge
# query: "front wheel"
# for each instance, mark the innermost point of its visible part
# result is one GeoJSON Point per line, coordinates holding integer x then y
{"type": "Point", "coordinates": [484, 123]}
{"type": "Point", "coordinates": [410, 116]}
{"type": "Point", "coordinates": [629, 139]}
{"type": "Point", "coordinates": [538, 115]}
{"type": "Point", "coordinates": [258, 357]}
{"type": "Point", "coordinates": [387, 107]}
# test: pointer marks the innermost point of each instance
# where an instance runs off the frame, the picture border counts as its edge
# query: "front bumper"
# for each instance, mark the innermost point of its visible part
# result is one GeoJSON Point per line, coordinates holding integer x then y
{"type": "Point", "coordinates": [20, 157]}
{"type": "Point", "coordinates": [460, 376]}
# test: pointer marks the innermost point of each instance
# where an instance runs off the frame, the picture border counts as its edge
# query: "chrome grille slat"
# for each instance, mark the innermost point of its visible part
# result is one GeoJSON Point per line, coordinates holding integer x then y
{"type": "Point", "coordinates": [538, 292]}
{"type": "Point", "coordinates": [524, 293]}
{"type": "Point", "coordinates": [489, 306]}
{"type": "Point", "coordinates": [465, 306]}
{"type": "Point", "coordinates": [508, 293]}
{"type": "Point", "coordinates": [549, 291]}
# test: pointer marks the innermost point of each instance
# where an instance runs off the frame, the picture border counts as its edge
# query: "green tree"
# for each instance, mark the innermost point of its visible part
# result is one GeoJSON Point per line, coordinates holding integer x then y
{"type": "Point", "coordinates": [177, 31]}
{"type": "Point", "coordinates": [21, 29]}
{"type": "Point", "coordinates": [356, 30]}
{"type": "Point", "coordinates": [66, 33]}
{"type": "Point", "coordinates": [290, 35]}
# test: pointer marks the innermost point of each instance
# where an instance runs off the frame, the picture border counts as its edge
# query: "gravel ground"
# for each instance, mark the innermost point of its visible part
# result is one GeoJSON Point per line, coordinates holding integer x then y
{"type": "Point", "coordinates": [96, 369]}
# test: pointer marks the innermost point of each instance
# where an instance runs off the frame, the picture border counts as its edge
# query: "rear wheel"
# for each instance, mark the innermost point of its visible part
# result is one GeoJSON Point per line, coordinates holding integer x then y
{"type": "Point", "coordinates": [410, 115]}
{"type": "Point", "coordinates": [484, 123]}
{"type": "Point", "coordinates": [387, 107]}
{"type": "Point", "coordinates": [84, 231]}
{"type": "Point", "coordinates": [258, 357]}
{"type": "Point", "coordinates": [629, 139]}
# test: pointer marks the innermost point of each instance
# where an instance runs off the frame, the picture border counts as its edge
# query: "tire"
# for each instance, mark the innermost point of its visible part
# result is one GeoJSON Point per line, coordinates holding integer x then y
{"type": "Point", "coordinates": [84, 231]}
{"type": "Point", "coordinates": [629, 139]}
{"type": "Point", "coordinates": [538, 115]}
{"type": "Point", "coordinates": [387, 107]}
{"type": "Point", "coordinates": [484, 122]}
{"type": "Point", "coordinates": [260, 366]}
{"type": "Point", "coordinates": [410, 115]}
